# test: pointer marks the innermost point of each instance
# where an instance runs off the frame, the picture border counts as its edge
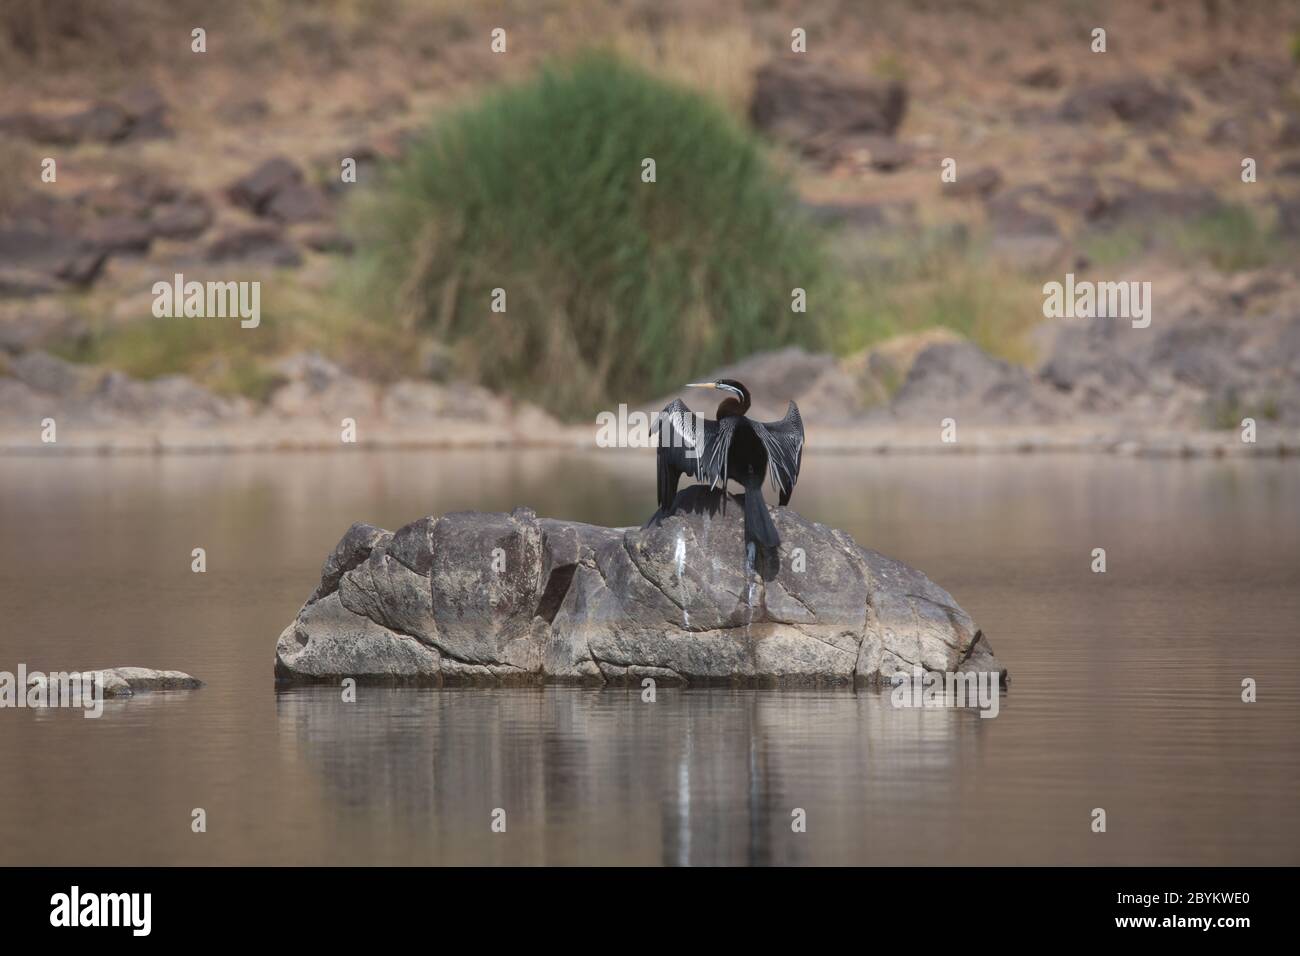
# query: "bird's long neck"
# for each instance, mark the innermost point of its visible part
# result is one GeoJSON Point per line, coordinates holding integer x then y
{"type": "Point", "coordinates": [732, 406]}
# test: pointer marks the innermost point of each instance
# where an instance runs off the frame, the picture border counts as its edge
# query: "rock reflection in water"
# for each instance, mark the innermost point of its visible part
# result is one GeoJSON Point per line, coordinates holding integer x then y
{"type": "Point", "coordinates": [584, 773]}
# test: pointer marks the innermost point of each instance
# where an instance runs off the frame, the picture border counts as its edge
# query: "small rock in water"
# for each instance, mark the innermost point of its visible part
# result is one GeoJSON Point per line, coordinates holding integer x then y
{"type": "Point", "coordinates": [129, 681]}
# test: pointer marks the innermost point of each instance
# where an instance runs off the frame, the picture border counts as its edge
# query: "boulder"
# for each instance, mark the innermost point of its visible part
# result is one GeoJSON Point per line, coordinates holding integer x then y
{"type": "Point", "coordinates": [183, 219]}
{"type": "Point", "coordinates": [138, 113]}
{"type": "Point", "coordinates": [879, 370]}
{"type": "Point", "coordinates": [120, 235]}
{"type": "Point", "coordinates": [147, 110]}
{"type": "Point", "coordinates": [169, 398]}
{"type": "Point", "coordinates": [297, 203]}
{"type": "Point", "coordinates": [50, 374]}
{"type": "Point", "coordinates": [1195, 371]}
{"type": "Point", "coordinates": [50, 254]}
{"type": "Point", "coordinates": [85, 395]}
{"type": "Point", "coordinates": [815, 108]}
{"type": "Point", "coordinates": [1135, 100]}
{"type": "Point", "coordinates": [99, 122]}
{"type": "Point", "coordinates": [1130, 202]}
{"type": "Point", "coordinates": [311, 386]}
{"type": "Point", "coordinates": [961, 381]}
{"type": "Point", "coordinates": [260, 244]}
{"type": "Point", "coordinates": [517, 599]}
{"type": "Point", "coordinates": [255, 190]}
{"type": "Point", "coordinates": [276, 189]}
{"type": "Point", "coordinates": [1079, 194]}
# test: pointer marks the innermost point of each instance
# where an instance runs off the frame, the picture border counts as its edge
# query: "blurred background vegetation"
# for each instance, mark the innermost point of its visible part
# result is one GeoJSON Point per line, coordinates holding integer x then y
{"type": "Point", "coordinates": [523, 173]}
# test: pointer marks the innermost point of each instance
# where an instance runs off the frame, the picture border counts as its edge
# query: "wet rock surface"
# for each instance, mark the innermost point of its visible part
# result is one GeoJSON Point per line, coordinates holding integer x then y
{"type": "Point", "coordinates": [130, 681]}
{"type": "Point", "coordinates": [517, 599]}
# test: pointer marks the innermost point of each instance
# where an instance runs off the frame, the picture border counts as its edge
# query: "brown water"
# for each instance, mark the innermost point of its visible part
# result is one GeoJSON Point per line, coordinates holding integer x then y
{"type": "Point", "coordinates": [1125, 688]}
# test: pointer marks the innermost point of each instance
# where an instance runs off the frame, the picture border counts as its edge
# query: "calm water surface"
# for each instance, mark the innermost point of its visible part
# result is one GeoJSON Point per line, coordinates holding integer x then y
{"type": "Point", "coordinates": [1125, 686]}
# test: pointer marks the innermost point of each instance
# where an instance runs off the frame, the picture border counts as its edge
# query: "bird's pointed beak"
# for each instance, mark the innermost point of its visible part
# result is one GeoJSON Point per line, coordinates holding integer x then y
{"type": "Point", "coordinates": [702, 385]}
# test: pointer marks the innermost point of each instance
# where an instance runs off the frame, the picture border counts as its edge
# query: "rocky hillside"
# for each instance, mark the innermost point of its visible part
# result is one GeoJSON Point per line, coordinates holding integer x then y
{"type": "Point", "coordinates": [1122, 165]}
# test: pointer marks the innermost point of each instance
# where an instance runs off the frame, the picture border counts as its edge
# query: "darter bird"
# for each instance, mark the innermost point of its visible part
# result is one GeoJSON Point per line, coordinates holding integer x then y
{"type": "Point", "coordinates": [734, 447]}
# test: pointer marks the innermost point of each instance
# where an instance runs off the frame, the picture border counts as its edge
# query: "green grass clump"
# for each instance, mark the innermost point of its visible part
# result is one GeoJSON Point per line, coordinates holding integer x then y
{"type": "Point", "coordinates": [615, 288]}
{"type": "Point", "coordinates": [1230, 239]}
{"type": "Point", "coordinates": [1114, 247]}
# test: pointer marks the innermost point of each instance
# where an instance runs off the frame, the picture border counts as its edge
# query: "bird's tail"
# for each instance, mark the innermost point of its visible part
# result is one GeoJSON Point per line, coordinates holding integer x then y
{"type": "Point", "coordinates": [758, 523]}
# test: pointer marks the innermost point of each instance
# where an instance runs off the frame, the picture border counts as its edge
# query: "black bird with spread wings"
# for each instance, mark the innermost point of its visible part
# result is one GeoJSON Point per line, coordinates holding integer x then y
{"type": "Point", "coordinates": [734, 447]}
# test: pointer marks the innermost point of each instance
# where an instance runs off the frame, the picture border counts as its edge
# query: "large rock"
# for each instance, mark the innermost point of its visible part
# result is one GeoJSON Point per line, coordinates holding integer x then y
{"type": "Point", "coordinates": [1134, 99]}
{"type": "Point", "coordinates": [99, 122]}
{"type": "Point", "coordinates": [185, 218]}
{"type": "Point", "coordinates": [959, 380]}
{"type": "Point", "coordinates": [817, 108]}
{"type": "Point", "coordinates": [258, 188]}
{"type": "Point", "coordinates": [276, 189]}
{"type": "Point", "coordinates": [139, 113]}
{"type": "Point", "coordinates": [50, 255]}
{"type": "Point", "coordinates": [1198, 371]}
{"type": "Point", "coordinates": [35, 384]}
{"type": "Point", "coordinates": [259, 244]}
{"type": "Point", "coordinates": [514, 599]}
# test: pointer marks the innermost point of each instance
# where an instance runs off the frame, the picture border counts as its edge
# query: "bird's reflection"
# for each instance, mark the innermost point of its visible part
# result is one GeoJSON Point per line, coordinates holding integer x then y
{"type": "Point", "coordinates": [587, 775]}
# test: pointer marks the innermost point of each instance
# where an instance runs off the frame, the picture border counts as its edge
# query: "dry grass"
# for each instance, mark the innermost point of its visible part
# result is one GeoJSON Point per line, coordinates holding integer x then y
{"type": "Point", "coordinates": [720, 63]}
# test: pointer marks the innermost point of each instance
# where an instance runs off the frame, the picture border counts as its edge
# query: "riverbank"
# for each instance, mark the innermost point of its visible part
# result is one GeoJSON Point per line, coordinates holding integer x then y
{"type": "Point", "coordinates": [866, 440]}
{"type": "Point", "coordinates": [960, 177]}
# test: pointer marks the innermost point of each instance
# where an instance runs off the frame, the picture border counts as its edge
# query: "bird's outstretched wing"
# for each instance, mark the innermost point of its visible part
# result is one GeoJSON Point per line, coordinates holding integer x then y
{"type": "Point", "coordinates": [784, 443]}
{"type": "Point", "coordinates": [713, 459]}
{"type": "Point", "coordinates": [683, 438]}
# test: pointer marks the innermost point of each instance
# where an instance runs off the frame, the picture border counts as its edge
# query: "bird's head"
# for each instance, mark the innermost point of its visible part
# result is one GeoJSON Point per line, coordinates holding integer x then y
{"type": "Point", "coordinates": [735, 391]}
